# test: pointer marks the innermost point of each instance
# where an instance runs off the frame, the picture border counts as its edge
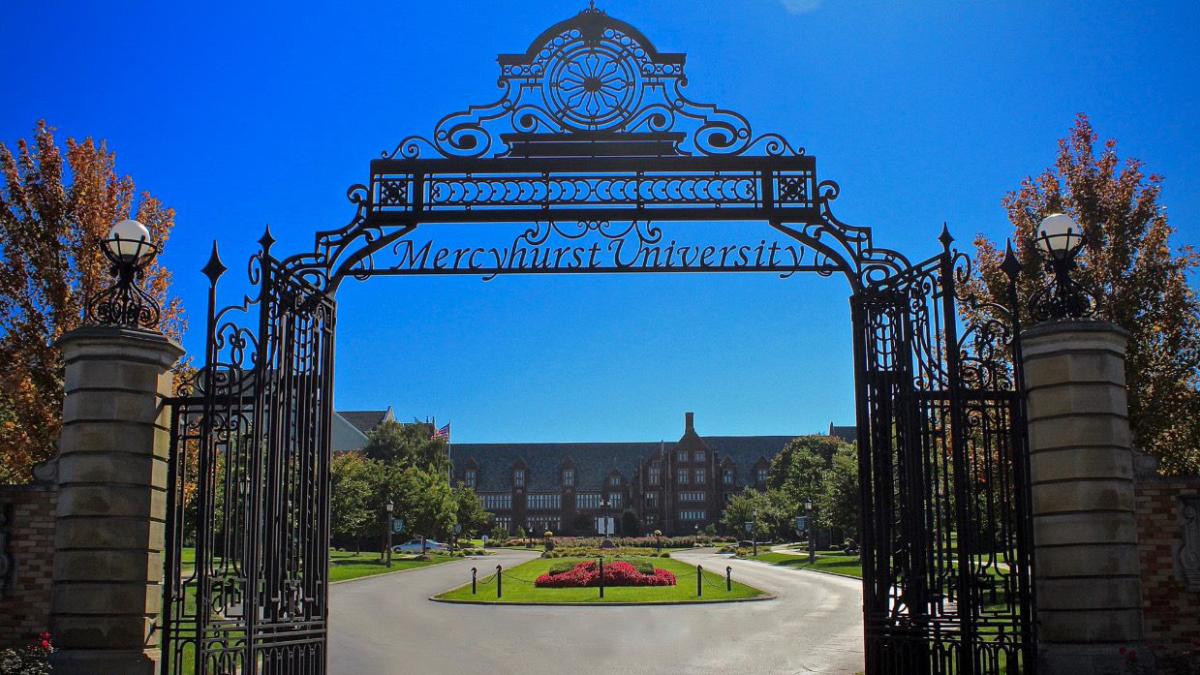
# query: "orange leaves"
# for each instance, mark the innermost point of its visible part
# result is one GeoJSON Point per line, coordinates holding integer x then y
{"type": "Point", "coordinates": [52, 214]}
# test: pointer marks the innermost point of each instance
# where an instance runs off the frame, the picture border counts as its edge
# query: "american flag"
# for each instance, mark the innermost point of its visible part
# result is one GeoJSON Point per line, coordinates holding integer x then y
{"type": "Point", "coordinates": [444, 432]}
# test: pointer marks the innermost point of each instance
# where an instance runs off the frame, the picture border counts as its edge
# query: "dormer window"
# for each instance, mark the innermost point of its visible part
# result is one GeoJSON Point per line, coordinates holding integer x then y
{"type": "Point", "coordinates": [761, 474]}
{"type": "Point", "coordinates": [568, 477]}
{"type": "Point", "coordinates": [469, 478]}
{"type": "Point", "coordinates": [727, 477]}
{"type": "Point", "coordinates": [614, 480]}
{"type": "Point", "coordinates": [519, 478]}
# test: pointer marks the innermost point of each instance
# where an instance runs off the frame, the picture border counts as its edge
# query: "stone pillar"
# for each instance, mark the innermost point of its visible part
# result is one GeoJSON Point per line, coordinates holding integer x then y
{"type": "Point", "coordinates": [1086, 573]}
{"type": "Point", "coordinates": [112, 481]}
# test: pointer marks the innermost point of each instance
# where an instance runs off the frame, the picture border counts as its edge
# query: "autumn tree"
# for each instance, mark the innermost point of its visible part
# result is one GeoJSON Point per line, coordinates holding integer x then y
{"type": "Point", "coordinates": [53, 213]}
{"type": "Point", "coordinates": [1139, 275]}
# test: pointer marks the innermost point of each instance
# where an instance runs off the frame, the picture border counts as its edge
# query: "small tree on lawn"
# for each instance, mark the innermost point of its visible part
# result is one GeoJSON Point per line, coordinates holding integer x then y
{"type": "Point", "coordinates": [838, 505]}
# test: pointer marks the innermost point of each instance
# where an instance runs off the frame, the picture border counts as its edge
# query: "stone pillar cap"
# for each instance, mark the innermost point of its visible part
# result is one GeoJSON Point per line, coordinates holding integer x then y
{"type": "Point", "coordinates": [1073, 326]}
{"type": "Point", "coordinates": [143, 338]}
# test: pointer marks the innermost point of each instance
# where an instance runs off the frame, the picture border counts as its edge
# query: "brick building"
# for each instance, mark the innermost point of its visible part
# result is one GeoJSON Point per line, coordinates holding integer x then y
{"type": "Point", "coordinates": [676, 487]}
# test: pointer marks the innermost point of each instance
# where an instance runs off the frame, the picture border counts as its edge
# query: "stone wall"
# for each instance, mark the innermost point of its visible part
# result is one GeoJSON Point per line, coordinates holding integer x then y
{"type": "Point", "coordinates": [1168, 518]}
{"type": "Point", "coordinates": [26, 560]}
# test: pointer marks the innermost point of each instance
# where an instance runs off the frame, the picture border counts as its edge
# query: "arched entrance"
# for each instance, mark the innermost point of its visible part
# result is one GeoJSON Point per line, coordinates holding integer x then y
{"type": "Point", "coordinates": [598, 159]}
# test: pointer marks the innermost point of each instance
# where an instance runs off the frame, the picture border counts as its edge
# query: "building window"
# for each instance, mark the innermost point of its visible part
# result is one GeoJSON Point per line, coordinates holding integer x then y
{"type": "Point", "coordinates": [655, 473]}
{"type": "Point", "coordinates": [614, 500]}
{"type": "Point", "coordinates": [544, 501]}
{"type": "Point", "coordinates": [568, 478]}
{"type": "Point", "coordinates": [682, 456]}
{"type": "Point", "coordinates": [504, 522]}
{"type": "Point", "coordinates": [539, 524]}
{"type": "Point", "coordinates": [691, 496]}
{"type": "Point", "coordinates": [762, 475]}
{"type": "Point", "coordinates": [652, 499]}
{"type": "Point", "coordinates": [701, 476]}
{"type": "Point", "coordinates": [587, 500]}
{"type": "Point", "coordinates": [614, 481]}
{"type": "Point", "coordinates": [496, 502]}
{"type": "Point", "coordinates": [469, 478]}
{"type": "Point", "coordinates": [682, 477]}
{"type": "Point", "coordinates": [727, 478]}
{"type": "Point", "coordinates": [519, 478]}
{"type": "Point", "coordinates": [691, 515]}
{"type": "Point", "coordinates": [698, 457]}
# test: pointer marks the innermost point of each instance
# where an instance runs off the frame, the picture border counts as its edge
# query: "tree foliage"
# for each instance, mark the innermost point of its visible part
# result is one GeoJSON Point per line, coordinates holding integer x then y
{"type": "Point", "coordinates": [839, 505]}
{"type": "Point", "coordinates": [1141, 279]}
{"type": "Point", "coordinates": [799, 468]}
{"type": "Point", "coordinates": [470, 513]}
{"type": "Point", "coordinates": [410, 444]}
{"type": "Point", "coordinates": [53, 211]}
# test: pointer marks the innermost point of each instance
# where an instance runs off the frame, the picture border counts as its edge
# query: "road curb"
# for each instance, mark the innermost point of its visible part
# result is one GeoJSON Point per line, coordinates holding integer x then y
{"type": "Point", "coordinates": [660, 603]}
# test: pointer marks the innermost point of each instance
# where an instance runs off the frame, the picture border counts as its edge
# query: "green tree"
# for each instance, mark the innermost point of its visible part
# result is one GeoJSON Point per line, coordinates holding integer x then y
{"type": "Point", "coordinates": [426, 502]}
{"type": "Point", "coordinates": [1141, 279]}
{"type": "Point", "coordinates": [838, 505]}
{"type": "Point", "coordinates": [410, 444]}
{"type": "Point", "coordinates": [350, 496]}
{"type": "Point", "coordinates": [747, 506]}
{"type": "Point", "coordinates": [469, 512]}
{"type": "Point", "coordinates": [799, 467]}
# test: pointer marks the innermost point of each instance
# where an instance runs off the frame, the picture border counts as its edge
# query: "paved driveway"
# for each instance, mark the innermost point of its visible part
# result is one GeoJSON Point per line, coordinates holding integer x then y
{"type": "Point", "coordinates": [387, 625]}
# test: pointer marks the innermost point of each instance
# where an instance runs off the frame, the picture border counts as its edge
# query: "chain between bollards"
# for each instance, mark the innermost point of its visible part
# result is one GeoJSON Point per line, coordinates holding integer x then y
{"type": "Point", "coordinates": [473, 573]}
{"type": "Point", "coordinates": [499, 581]}
{"type": "Point", "coordinates": [728, 579]}
{"type": "Point", "coordinates": [699, 581]}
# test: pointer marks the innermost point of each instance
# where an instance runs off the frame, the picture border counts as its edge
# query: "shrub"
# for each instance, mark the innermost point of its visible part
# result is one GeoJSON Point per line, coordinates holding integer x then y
{"type": "Point", "coordinates": [618, 573]}
{"type": "Point", "coordinates": [34, 659]}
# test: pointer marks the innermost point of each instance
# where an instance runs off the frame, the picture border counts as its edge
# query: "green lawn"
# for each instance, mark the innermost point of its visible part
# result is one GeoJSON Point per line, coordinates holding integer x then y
{"type": "Point", "coordinates": [833, 562]}
{"type": "Point", "coordinates": [344, 565]}
{"type": "Point", "coordinates": [518, 587]}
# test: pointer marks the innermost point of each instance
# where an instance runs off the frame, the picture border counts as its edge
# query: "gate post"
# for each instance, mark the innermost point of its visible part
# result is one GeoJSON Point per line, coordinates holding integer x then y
{"type": "Point", "coordinates": [1086, 573]}
{"type": "Point", "coordinates": [112, 482]}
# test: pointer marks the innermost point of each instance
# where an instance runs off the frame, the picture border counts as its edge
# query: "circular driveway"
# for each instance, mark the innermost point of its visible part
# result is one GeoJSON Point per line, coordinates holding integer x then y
{"type": "Point", "coordinates": [388, 625]}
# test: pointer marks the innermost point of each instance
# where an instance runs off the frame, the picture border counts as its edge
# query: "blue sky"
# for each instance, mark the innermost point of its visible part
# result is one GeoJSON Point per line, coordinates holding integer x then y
{"type": "Point", "coordinates": [924, 112]}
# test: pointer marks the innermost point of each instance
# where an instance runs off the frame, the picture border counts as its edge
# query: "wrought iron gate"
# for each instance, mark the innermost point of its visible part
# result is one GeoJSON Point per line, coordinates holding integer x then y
{"type": "Point", "coordinates": [592, 151]}
{"type": "Point", "coordinates": [250, 486]}
{"type": "Point", "coordinates": [947, 561]}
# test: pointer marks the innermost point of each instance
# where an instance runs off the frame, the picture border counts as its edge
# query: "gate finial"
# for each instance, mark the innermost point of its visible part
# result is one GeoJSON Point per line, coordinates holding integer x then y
{"type": "Point", "coordinates": [1011, 266]}
{"type": "Point", "coordinates": [266, 241]}
{"type": "Point", "coordinates": [214, 268]}
{"type": "Point", "coordinates": [945, 237]}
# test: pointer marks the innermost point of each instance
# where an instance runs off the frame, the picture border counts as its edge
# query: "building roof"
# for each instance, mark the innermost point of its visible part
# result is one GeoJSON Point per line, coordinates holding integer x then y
{"type": "Point", "coordinates": [848, 434]}
{"type": "Point", "coordinates": [345, 437]}
{"type": "Point", "coordinates": [595, 461]}
{"type": "Point", "coordinates": [366, 420]}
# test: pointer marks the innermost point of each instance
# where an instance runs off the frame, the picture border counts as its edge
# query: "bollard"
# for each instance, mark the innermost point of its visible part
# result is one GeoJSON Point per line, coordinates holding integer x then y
{"type": "Point", "coordinates": [499, 581]}
{"type": "Point", "coordinates": [602, 576]}
{"type": "Point", "coordinates": [473, 572]}
{"type": "Point", "coordinates": [728, 579]}
{"type": "Point", "coordinates": [699, 581]}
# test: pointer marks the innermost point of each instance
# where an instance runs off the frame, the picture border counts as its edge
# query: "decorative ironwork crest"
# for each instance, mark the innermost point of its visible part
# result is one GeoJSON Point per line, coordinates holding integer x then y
{"type": "Point", "coordinates": [594, 78]}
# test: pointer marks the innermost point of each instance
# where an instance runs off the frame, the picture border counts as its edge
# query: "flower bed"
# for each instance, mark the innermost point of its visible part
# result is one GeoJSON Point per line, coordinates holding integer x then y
{"type": "Point", "coordinates": [586, 574]}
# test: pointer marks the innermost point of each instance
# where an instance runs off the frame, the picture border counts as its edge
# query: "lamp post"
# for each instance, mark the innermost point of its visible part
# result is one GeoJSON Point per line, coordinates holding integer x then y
{"type": "Point", "coordinates": [1060, 240]}
{"type": "Point", "coordinates": [755, 535]}
{"type": "Point", "coordinates": [812, 543]}
{"type": "Point", "coordinates": [124, 302]}
{"type": "Point", "coordinates": [388, 555]}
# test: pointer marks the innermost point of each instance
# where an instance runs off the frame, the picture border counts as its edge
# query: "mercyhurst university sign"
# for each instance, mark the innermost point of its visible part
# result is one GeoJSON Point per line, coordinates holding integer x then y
{"type": "Point", "coordinates": [599, 247]}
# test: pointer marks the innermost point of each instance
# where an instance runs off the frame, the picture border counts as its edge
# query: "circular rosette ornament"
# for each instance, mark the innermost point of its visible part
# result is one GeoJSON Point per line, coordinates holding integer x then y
{"type": "Point", "coordinates": [592, 87]}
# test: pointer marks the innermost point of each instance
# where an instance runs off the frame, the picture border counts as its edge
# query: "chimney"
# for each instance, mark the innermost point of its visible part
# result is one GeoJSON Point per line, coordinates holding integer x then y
{"type": "Point", "coordinates": [689, 422]}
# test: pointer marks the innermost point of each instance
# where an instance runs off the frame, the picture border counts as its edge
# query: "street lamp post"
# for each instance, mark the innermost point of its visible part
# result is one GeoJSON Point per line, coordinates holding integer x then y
{"type": "Point", "coordinates": [812, 542]}
{"type": "Point", "coordinates": [388, 555]}
{"type": "Point", "coordinates": [1060, 240]}
{"type": "Point", "coordinates": [755, 535]}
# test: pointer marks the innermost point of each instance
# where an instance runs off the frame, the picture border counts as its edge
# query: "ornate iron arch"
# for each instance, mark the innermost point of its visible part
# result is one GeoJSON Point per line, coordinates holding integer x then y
{"type": "Point", "coordinates": [594, 138]}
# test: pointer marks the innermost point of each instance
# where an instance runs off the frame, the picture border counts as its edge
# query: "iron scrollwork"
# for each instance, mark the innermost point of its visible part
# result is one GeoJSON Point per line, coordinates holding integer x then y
{"type": "Point", "coordinates": [123, 302]}
{"type": "Point", "coordinates": [596, 79]}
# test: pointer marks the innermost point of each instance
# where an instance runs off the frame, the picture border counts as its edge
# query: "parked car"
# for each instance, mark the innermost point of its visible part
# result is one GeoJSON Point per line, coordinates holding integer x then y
{"type": "Point", "coordinates": [414, 546]}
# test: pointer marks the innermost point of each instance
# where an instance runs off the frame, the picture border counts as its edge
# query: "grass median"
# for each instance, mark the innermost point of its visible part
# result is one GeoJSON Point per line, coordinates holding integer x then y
{"type": "Point", "coordinates": [518, 587]}
{"type": "Point", "coordinates": [831, 562]}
